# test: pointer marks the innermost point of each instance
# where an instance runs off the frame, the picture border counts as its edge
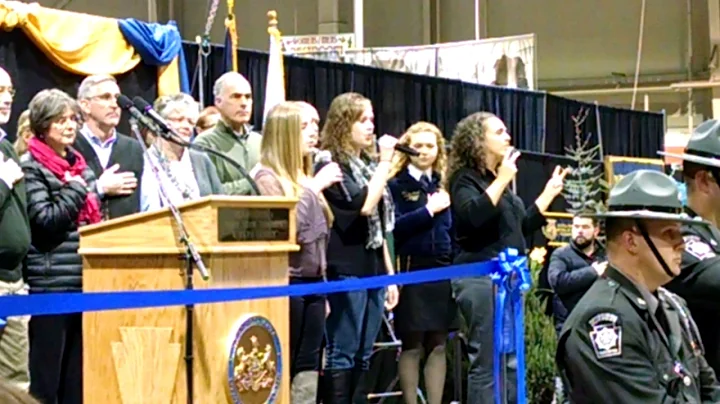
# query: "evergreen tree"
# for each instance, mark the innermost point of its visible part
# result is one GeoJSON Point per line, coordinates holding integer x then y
{"type": "Point", "coordinates": [584, 185]}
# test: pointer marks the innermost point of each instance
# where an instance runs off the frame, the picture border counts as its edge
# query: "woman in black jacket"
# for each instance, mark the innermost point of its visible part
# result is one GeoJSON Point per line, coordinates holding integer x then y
{"type": "Point", "coordinates": [489, 218]}
{"type": "Point", "coordinates": [60, 199]}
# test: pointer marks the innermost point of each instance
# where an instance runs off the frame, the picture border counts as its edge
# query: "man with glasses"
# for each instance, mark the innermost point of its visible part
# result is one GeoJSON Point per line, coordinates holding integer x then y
{"type": "Point", "coordinates": [14, 245]}
{"type": "Point", "coordinates": [699, 282]}
{"type": "Point", "coordinates": [116, 159]}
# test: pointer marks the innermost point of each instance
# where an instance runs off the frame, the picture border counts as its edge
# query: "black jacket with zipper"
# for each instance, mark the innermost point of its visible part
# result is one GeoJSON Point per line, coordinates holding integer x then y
{"type": "Point", "coordinates": [53, 263]}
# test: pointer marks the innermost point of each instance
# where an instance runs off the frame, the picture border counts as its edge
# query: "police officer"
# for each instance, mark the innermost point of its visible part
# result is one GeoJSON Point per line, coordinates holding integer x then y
{"type": "Point", "coordinates": [628, 340]}
{"type": "Point", "coordinates": [699, 281]}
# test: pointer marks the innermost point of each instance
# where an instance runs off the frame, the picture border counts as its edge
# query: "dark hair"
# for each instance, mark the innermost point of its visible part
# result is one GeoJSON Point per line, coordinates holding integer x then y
{"type": "Point", "coordinates": [467, 148]}
{"type": "Point", "coordinates": [593, 220]}
{"type": "Point", "coordinates": [9, 394]}
{"type": "Point", "coordinates": [46, 107]}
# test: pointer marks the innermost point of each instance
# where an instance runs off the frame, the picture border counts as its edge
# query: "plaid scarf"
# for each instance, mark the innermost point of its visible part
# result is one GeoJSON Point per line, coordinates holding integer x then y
{"type": "Point", "coordinates": [362, 172]}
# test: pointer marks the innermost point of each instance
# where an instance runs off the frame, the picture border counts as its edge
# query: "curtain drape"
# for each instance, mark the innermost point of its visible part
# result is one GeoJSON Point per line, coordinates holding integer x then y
{"type": "Point", "coordinates": [159, 45]}
{"type": "Point", "coordinates": [31, 71]}
{"type": "Point", "coordinates": [631, 133]}
{"type": "Point", "coordinates": [399, 99]}
{"type": "Point", "coordinates": [624, 132]}
{"type": "Point", "coordinates": [79, 43]}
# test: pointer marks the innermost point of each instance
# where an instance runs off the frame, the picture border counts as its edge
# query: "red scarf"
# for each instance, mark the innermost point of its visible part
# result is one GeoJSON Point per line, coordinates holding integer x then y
{"type": "Point", "coordinates": [42, 153]}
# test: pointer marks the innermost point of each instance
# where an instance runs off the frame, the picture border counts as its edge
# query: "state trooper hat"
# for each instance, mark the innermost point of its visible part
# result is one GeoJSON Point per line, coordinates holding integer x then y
{"type": "Point", "coordinates": [646, 194]}
{"type": "Point", "coordinates": [704, 145]}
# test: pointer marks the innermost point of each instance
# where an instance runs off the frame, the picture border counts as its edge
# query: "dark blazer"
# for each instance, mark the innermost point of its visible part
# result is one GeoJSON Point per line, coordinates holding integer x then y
{"type": "Point", "coordinates": [417, 233]}
{"type": "Point", "coordinates": [126, 152]}
{"type": "Point", "coordinates": [53, 263]}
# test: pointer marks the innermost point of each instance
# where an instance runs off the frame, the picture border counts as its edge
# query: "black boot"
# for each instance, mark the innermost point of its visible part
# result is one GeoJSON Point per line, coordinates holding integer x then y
{"type": "Point", "coordinates": [360, 387]}
{"type": "Point", "coordinates": [337, 386]}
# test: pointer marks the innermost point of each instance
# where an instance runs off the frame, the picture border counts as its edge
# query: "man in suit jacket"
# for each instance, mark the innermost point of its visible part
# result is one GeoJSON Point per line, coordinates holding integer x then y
{"type": "Point", "coordinates": [116, 159]}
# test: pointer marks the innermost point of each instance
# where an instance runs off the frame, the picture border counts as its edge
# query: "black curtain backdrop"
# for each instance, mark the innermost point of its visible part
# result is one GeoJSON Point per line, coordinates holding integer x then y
{"type": "Point", "coordinates": [624, 132]}
{"type": "Point", "coordinates": [399, 99]}
{"type": "Point", "coordinates": [631, 133]}
{"type": "Point", "coordinates": [32, 71]}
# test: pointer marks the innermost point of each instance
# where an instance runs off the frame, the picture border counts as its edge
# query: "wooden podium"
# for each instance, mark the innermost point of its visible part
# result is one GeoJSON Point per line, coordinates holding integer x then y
{"type": "Point", "coordinates": [139, 356]}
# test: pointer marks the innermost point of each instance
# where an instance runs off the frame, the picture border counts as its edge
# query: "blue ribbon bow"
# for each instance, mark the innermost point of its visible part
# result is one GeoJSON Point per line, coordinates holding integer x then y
{"type": "Point", "coordinates": [512, 279]}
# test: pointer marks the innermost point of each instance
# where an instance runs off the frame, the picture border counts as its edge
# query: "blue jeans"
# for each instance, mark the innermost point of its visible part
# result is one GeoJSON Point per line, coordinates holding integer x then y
{"type": "Point", "coordinates": [474, 297]}
{"type": "Point", "coordinates": [352, 328]}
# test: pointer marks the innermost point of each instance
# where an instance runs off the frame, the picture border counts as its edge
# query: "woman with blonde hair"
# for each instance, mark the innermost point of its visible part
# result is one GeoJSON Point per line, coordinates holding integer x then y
{"type": "Point", "coordinates": [425, 312]}
{"type": "Point", "coordinates": [23, 133]}
{"type": "Point", "coordinates": [282, 172]}
{"type": "Point", "coordinates": [364, 215]}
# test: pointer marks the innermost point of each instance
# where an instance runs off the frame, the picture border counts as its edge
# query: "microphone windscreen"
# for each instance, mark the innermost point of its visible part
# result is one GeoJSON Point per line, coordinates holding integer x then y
{"type": "Point", "coordinates": [124, 102]}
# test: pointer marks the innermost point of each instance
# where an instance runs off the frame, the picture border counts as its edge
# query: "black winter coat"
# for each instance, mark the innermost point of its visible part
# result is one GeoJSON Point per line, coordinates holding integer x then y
{"type": "Point", "coordinates": [53, 263]}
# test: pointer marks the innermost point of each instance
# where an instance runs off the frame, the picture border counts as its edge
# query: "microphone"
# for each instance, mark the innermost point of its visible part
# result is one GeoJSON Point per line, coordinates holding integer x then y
{"type": "Point", "coordinates": [164, 130]}
{"type": "Point", "coordinates": [406, 149]}
{"type": "Point", "coordinates": [325, 156]}
{"type": "Point", "coordinates": [127, 105]}
{"type": "Point", "coordinates": [148, 110]}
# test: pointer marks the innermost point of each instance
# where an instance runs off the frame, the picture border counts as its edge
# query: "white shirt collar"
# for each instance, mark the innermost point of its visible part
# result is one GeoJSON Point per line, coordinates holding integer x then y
{"type": "Point", "coordinates": [417, 173]}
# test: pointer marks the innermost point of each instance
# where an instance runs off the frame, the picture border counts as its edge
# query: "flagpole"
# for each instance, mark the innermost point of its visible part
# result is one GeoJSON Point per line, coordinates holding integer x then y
{"type": "Point", "coordinates": [275, 78]}
{"type": "Point", "coordinates": [359, 23]}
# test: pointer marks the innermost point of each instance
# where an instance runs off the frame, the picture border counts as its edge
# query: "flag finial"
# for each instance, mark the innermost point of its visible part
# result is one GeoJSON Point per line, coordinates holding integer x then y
{"type": "Point", "coordinates": [272, 22]}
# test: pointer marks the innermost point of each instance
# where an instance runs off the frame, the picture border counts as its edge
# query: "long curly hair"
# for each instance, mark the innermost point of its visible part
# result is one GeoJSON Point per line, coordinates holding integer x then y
{"type": "Point", "coordinates": [401, 160]}
{"type": "Point", "coordinates": [336, 134]}
{"type": "Point", "coordinates": [467, 148]}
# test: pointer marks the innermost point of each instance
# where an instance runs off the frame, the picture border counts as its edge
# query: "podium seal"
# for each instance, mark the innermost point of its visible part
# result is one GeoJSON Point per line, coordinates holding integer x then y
{"type": "Point", "coordinates": [254, 362]}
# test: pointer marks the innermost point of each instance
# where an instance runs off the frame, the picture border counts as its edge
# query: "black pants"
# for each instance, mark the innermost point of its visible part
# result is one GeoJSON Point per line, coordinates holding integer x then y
{"type": "Point", "coordinates": [475, 298]}
{"type": "Point", "coordinates": [307, 329]}
{"type": "Point", "coordinates": [56, 359]}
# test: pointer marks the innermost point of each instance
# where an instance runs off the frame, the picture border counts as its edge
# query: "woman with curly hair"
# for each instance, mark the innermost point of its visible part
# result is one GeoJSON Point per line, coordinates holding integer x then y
{"type": "Point", "coordinates": [363, 209]}
{"type": "Point", "coordinates": [425, 312]}
{"type": "Point", "coordinates": [489, 218]}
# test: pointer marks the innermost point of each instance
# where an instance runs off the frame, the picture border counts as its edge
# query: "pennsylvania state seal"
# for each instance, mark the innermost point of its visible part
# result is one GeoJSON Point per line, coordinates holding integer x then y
{"type": "Point", "coordinates": [254, 362]}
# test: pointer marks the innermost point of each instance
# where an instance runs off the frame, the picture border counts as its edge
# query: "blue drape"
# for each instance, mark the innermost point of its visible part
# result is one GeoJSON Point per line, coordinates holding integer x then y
{"type": "Point", "coordinates": [157, 44]}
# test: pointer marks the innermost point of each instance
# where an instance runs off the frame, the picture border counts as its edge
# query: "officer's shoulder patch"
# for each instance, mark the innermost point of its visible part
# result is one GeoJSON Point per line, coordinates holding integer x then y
{"type": "Point", "coordinates": [606, 335]}
{"type": "Point", "coordinates": [698, 248]}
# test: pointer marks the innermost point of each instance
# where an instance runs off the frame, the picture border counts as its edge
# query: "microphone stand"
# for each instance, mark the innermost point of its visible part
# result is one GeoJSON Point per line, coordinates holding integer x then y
{"type": "Point", "coordinates": [190, 257]}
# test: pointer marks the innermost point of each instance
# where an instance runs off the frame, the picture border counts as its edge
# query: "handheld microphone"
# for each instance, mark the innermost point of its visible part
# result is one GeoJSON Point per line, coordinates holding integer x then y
{"type": "Point", "coordinates": [126, 104]}
{"type": "Point", "coordinates": [406, 149]}
{"type": "Point", "coordinates": [325, 156]}
{"type": "Point", "coordinates": [148, 110]}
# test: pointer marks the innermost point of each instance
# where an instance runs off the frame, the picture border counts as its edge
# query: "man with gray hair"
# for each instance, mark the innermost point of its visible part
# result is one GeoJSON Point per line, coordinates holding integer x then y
{"type": "Point", "coordinates": [116, 159]}
{"type": "Point", "coordinates": [14, 245]}
{"type": "Point", "coordinates": [233, 134]}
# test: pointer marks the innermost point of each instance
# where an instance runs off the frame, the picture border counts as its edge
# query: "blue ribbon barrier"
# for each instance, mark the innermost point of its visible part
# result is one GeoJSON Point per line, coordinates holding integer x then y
{"type": "Point", "coordinates": [509, 272]}
{"type": "Point", "coordinates": [512, 279]}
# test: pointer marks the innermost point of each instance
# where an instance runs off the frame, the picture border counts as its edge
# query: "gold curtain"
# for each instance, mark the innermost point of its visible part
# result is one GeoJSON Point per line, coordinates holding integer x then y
{"type": "Point", "coordinates": [81, 43]}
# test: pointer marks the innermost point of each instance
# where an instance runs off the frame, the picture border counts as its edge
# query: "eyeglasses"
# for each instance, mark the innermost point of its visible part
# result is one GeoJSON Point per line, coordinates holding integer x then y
{"type": "Point", "coordinates": [7, 90]}
{"type": "Point", "coordinates": [107, 97]}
